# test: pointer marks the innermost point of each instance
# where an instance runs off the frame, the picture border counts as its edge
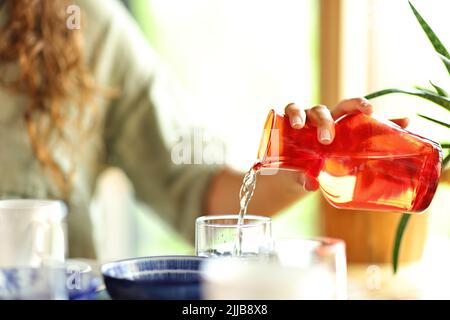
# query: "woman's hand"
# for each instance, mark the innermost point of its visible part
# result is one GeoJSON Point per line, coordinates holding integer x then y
{"type": "Point", "coordinates": [323, 118]}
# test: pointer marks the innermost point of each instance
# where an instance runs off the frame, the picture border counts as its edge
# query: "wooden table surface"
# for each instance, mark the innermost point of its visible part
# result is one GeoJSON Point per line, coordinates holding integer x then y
{"type": "Point", "coordinates": [427, 279]}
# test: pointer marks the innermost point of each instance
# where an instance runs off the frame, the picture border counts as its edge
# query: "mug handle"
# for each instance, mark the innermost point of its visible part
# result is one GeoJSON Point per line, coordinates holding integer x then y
{"type": "Point", "coordinates": [49, 242]}
{"type": "Point", "coordinates": [58, 244]}
{"type": "Point", "coordinates": [41, 241]}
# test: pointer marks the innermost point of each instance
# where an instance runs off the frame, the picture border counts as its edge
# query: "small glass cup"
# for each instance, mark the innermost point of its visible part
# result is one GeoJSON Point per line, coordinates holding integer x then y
{"type": "Point", "coordinates": [322, 261]}
{"type": "Point", "coordinates": [218, 236]}
{"type": "Point", "coordinates": [300, 269]}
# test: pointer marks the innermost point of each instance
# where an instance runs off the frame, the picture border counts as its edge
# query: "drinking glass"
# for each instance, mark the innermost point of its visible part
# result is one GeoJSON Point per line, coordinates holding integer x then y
{"type": "Point", "coordinates": [300, 269]}
{"type": "Point", "coordinates": [322, 263]}
{"type": "Point", "coordinates": [217, 236]}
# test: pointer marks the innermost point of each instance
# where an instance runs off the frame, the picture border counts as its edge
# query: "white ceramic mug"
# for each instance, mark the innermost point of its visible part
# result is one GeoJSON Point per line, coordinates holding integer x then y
{"type": "Point", "coordinates": [31, 232]}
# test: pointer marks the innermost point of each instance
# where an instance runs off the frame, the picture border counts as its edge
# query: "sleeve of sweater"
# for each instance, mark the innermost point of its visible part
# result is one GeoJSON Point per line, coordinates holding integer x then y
{"type": "Point", "coordinates": [136, 123]}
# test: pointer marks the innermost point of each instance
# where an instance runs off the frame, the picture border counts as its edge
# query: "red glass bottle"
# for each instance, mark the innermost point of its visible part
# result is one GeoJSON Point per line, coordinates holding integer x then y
{"type": "Point", "coordinates": [372, 164]}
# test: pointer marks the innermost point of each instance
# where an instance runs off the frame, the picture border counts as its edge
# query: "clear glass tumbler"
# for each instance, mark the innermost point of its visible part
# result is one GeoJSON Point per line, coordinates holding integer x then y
{"type": "Point", "coordinates": [321, 262]}
{"type": "Point", "coordinates": [217, 236]}
{"type": "Point", "coordinates": [300, 269]}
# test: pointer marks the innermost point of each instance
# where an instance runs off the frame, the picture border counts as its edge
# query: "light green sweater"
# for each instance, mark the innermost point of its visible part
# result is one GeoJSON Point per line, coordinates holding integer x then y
{"type": "Point", "coordinates": [130, 135]}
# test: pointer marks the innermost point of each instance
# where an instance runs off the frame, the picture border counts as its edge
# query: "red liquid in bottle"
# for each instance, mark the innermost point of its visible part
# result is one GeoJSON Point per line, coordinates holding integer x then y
{"type": "Point", "coordinates": [372, 164]}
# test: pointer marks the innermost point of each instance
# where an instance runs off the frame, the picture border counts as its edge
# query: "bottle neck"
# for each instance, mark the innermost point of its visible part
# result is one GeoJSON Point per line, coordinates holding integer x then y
{"type": "Point", "coordinates": [291, 149]}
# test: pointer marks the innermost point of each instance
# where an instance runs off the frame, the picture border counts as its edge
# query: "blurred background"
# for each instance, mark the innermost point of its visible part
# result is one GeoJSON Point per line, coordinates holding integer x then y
{"type": "Point", "coordinates": [233, 60]}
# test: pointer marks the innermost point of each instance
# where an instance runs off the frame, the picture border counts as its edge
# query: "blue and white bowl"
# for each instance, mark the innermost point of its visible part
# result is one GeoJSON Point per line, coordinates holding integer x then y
{"type": "Point", "coordinates": [155, 278]}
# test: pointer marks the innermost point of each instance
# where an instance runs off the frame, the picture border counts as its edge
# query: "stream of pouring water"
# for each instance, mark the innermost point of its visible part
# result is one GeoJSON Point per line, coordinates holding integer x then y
{"type": "Point", "coordinates": [245, 195]}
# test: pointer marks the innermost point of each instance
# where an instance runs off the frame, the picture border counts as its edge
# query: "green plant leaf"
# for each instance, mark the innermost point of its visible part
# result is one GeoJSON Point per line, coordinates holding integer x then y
{"type": "Point", "coordinates": [446, 161]}
{"type": "Point", "coordinates": [445, 145]}
{"type": "Point", "coordinates": [398, 240]}
{"type": "Point", "coordinates": [428, 95]}
{"type": "Point", "coordinates": [425, 90]}
{"type": "Point", "coordinates": [439, 90]}
{"type": "Point", "coordinates": [437, 44]}
{"type": "Point", "coordinates": [380, 93]}
{"type": "Point", "coordinates": [445, 60]}
{"type": "Point", "coordinates": [447, 125]}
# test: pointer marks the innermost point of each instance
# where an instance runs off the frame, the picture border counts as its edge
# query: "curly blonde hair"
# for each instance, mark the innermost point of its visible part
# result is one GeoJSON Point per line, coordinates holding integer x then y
{"type": "Point", "coordinates": [52, 73]}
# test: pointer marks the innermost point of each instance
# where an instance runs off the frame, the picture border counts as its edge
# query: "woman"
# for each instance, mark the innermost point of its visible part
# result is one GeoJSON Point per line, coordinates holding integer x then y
{"type": "Point", "coordinates": [77, 101]}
